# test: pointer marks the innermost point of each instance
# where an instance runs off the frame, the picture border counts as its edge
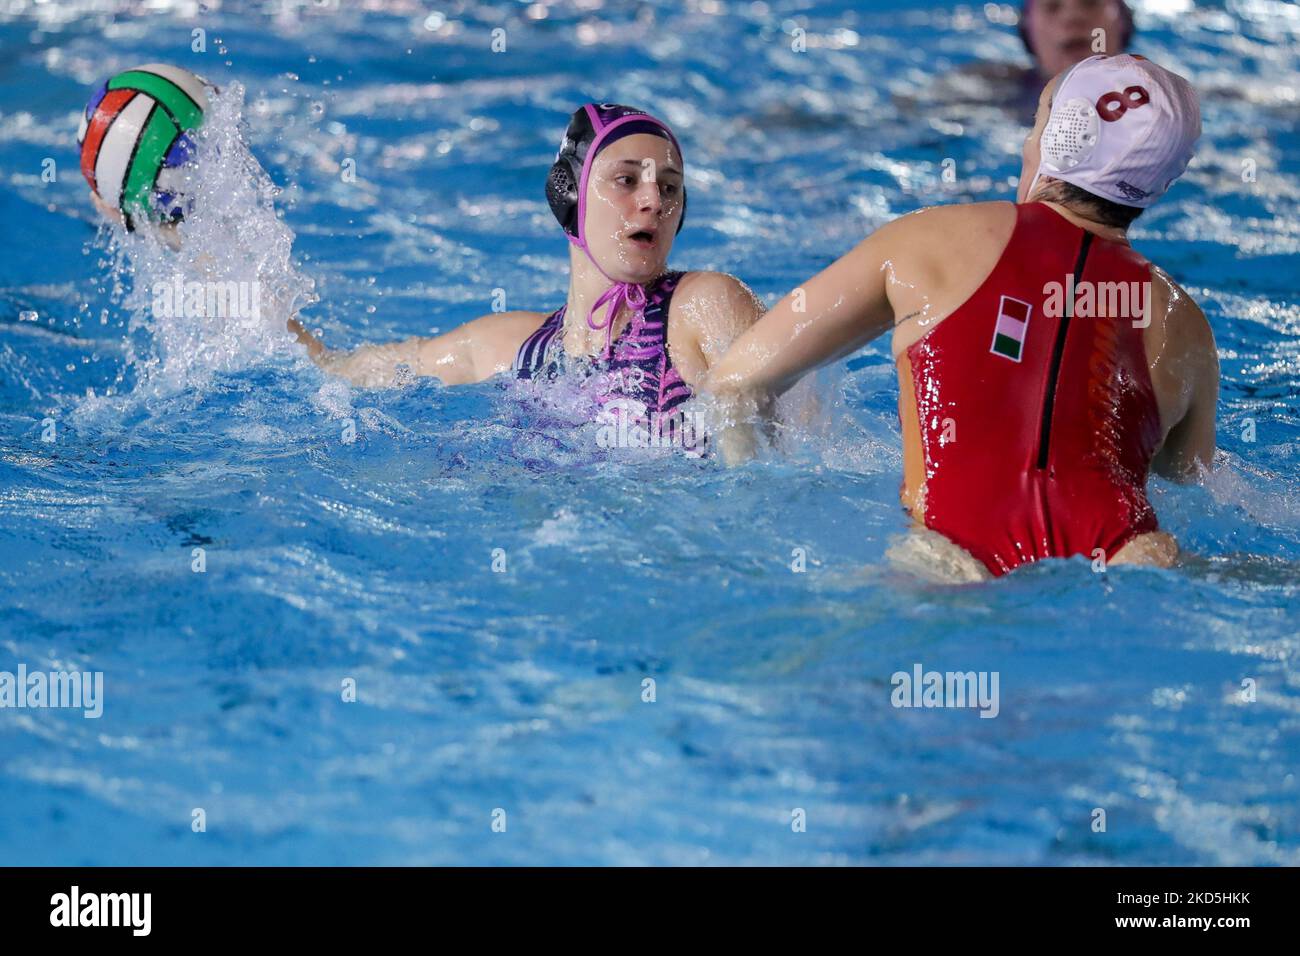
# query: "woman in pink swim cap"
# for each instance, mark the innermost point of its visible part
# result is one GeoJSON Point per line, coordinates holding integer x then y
{"type": "Point", "coordinates": [642, 334]}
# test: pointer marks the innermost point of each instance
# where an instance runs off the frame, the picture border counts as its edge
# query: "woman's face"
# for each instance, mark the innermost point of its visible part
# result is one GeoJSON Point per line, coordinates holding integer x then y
{"type": "Point", "coordinates": [1060, 31]}
{"type": "Point", "coordinates": [634, 203]}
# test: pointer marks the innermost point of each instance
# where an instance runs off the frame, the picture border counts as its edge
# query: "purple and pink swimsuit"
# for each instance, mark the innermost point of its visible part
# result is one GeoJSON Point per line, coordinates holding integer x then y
{"type": "Point", "coordinates": [637, 364]}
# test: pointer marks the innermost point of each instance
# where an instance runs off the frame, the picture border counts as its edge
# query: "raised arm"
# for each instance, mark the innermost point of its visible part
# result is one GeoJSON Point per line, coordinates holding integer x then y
{"type": "Point", "coordinates": [831, 315]}
{"type": "Point", "coordinates": [469, 353]}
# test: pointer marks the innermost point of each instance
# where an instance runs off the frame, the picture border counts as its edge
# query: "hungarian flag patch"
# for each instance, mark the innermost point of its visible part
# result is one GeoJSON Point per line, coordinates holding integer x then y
{"type": "Point", "coordinates": [1013, 324]}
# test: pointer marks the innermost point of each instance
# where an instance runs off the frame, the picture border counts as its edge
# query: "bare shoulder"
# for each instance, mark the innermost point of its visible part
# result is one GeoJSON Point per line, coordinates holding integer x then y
{"type": "Point", "coordinates": [711, 285]}
{"type": "Point", "coordinates": [506, 324]}
{"type": "Point", "coordinates": [494, 339]}
{"type": "Point", "coordinates": [1181, 353]}
{"type": "Point", "coordinates": [709, 310]}
{"type": "Point", "coordinates": [1183, 317]}
{"type": "Point", "coordinates": [1180, 331]}
{"type": "Point", "coordinates": [956, 215]}
{"type": "Point", "coordinates": [944, 250]}
{"type": "Point", "coordinates": [708, 300]}
{"type": "Point", "coordinates": [936, 231]}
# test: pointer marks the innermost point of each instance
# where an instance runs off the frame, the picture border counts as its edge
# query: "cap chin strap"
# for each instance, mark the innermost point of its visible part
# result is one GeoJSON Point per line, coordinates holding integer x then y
{"type": "Point", "coordinates": [619, 293]}
{"type": "Point", "coordinates": [614, 298]}
{"type": "Point", "coordinates": [1034, 182]}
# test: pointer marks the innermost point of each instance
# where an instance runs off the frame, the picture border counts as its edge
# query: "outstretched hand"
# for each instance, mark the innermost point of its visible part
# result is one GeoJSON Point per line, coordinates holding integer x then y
{"type": "Point", "coordinates": [316, 349]}
{"type": "Point", "coordinates": [370, 366]}
{"type": "Point", "coordinates": [107, 211]}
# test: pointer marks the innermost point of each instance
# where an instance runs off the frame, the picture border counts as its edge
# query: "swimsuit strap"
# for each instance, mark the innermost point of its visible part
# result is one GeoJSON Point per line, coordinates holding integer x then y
{"type": "Point", "coordinates": [531, 357]}
{"type": "Point", "coordinates": [644, 346]}
{"type": "Point", "coordinates": [642, 343]}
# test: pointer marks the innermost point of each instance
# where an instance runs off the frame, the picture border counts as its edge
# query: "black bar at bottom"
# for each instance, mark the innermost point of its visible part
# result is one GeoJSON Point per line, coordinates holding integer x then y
{"type": "Point", "coordinates": [337, 905]}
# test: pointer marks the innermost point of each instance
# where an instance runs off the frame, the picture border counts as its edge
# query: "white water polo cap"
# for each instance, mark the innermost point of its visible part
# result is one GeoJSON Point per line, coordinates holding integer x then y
{"type": "Point", "coordinates": [1121, 127]}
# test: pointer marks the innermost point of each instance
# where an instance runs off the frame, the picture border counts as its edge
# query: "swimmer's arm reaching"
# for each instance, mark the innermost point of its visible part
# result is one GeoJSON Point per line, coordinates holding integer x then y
{"type": "Point", "coordinates": [469, 353]}
{"type": "Point", "coordinates": [167, 230]}
{"type": "Point", "coordinates": [710, 311]}
{"type": "Point", "coordinates": [831, 315]}
{"type": "Point", "coordinates": [370, 366]}
{"type": "Point", "coordinates": [107, 211]}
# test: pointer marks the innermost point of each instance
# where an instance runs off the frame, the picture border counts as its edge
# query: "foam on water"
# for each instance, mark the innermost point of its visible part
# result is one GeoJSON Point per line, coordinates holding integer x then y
{"type": "Point", "coordinates": [234, 250]}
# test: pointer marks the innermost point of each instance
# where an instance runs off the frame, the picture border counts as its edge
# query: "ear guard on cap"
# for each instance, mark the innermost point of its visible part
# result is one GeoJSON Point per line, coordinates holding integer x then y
{"type": "Point", "coordinates": [562, 192]}
{"type": "Point", "coordinates": [1070, 134]}
{"type": "Point", "coordinates": [564, 181]}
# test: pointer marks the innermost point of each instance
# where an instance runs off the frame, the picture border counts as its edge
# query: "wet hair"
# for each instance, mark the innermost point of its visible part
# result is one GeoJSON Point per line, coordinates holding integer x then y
{"type": "Point", "coordinates": [1126, 26]}
{"type": "Point", "coordinates": [1099, 208]}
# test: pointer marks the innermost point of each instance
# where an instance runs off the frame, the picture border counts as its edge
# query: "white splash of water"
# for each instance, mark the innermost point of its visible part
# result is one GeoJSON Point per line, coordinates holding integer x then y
{"type": "Point", "coordinates": [1263, 494]}
{"type": "Point", "coordinates": [232, 234]}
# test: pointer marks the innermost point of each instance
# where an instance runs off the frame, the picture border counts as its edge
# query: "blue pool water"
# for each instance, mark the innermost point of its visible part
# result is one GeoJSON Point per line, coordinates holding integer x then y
{"type": "Point", "coordinates": [521, 690]}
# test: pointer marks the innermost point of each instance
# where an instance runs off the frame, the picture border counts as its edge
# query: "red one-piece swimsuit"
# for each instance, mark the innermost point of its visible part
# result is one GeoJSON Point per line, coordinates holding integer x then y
{"type": "Point", "coordinates": [1036, 424]}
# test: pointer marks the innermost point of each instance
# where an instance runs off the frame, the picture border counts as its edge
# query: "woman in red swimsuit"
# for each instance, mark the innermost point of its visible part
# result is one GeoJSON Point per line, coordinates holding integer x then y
{"type": "Point", "coordinates": [1044, 366]}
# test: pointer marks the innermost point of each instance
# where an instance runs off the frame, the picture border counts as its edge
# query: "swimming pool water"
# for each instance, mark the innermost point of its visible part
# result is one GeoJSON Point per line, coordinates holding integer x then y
{"type": "Point", "coordinates": [371, 558]}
